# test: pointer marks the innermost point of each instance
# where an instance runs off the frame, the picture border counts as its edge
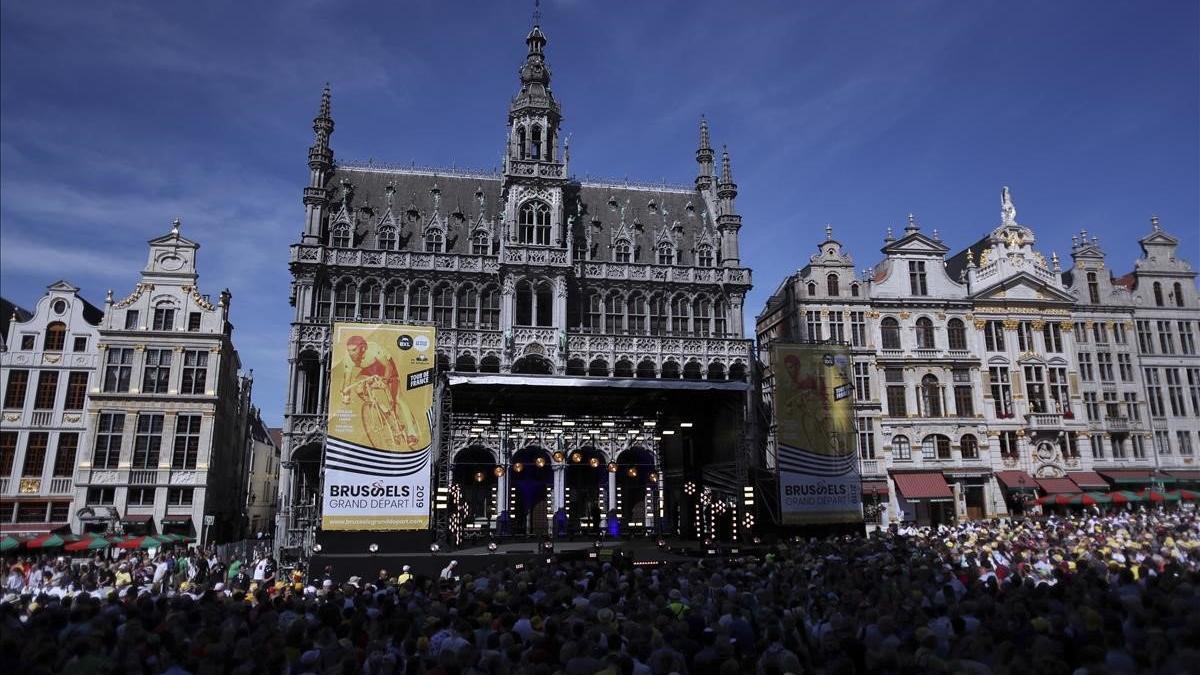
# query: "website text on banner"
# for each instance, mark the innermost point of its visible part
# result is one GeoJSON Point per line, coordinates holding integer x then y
{"type": "Point", "coordinates": [819, 481]}
{"type": "Point", "coordinates": [378, 445]}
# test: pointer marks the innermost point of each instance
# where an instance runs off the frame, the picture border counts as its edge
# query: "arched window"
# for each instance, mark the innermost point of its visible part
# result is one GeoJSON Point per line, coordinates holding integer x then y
{"type": "Point", "coordinates": [435, 241]}
{"type": "Point", "coordinates": [535, 303]}
{"type": "Point", "coordinates": [931, 396]}
{"type": "Point", "coordinates": [925, 338]}
{"type": "Point", "coordinates": [521, 142]}
{"type": "Point", "coordinates": [623, 368]}
{"type": "Point", "coordinates": [533, 223]}
{"type": "Point", "coordinates": [481, 243]}
{"type": "Point", "coordinates": [56, 337]}
{"type": "Point", "coordinates": [418, 303]}
{"type": "Point", "coordinates": [812, 289]}
{"type": "Point", "coordinates": [340, 236]}
{"type": "Point", "coordinates": [323, 300]}
{"type": "Point", "coordinates": [970, 447]}
{"type": "Point", "coordinates": [889, 330]}
{"type": "Point", "coordinates": [576, 367]}
{"type": "Point", "coordinates": [598, 368]}
{"type": "Point", "coordinates": [343, 300]}
{"type": "Point", "coordinates": [636, 312]}
{"type": "Point", "coordinates": [393, 302]}
{"type": "Point", "coordinates": [692, 371]}
{"type": "Point", "coordinates": [666, 254]}
{"type": "Point", "coordinates": [956, 334]}
{"type": "Point", "coordinates": [646, 369]}
{"type": "Point", "coordinates": [489, 364]}
{"type": "Point", "coordinates": [385, 238]}
{"type": "Point", "coordinates": [658, 315]}
{"type": "Point", "coordinates": [670, 370]}
{"type": "Point", "coordinates": [935, 446]}
{"type": "Point", "coordinates": [831, 285]}
{"type": "Point", "coordinates": [1158, 296]}
{"type": "Point", "coordinates": [368, 303]}
{"type": "Point", "coordinates": [716, 371]}
{"type": "Point", "coordinates": [614, 310]}
{"type": "Point", "coordinates": [737, 372]}
{"type": "Point", "coordinates": [593, 316]}
{"type": "Point", "coordinates": [901, 449]}
{"type": "Point", "coordinates": [704, 256]}
{"type": "Point", "coordinates": [622, 252]}
{"type": "Point", "coordinates": [720, 321]}
{"type": "Point", "coordinates": [679, 315]}
{"type": "Point", "coordinates": [702, 317]}
{"type": "Point", "coordinates": [489, 308]}
{"type": "Point", "coordinates": [1178, 294]}
{"type": "Point", "coordinates": [468, 305]}
{"type": "Point", "coordinates": [465, 364]}
{"type": "Point", "coordinates": [854, 290]}
{"type": "Point", "coordinates": [443, 305]}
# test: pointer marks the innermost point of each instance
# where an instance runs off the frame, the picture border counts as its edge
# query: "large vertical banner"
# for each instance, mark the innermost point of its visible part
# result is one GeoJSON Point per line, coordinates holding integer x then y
{"type": "Point", "coordinates": [378, 445]}
{"type": "Point", "coordinates": [814, 413]}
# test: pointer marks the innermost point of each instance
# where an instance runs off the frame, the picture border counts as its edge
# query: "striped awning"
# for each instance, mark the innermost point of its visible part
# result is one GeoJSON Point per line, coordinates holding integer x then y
{"type": "Point", "coordinates": [1014, 481]}
{"type": "Point", "coordinates": [1058, 486]}
{"type": "Point", "coordinates": [924, 486]}
{"type": "Point", "coordinates": [1088, 480]}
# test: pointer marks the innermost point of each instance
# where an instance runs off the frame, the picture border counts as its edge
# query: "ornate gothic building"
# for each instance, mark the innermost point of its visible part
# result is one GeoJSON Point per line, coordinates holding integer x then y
{"type": "Point", "coordinates": [542, 286]}
{"type": "Point", "coordinates": [990, 376]}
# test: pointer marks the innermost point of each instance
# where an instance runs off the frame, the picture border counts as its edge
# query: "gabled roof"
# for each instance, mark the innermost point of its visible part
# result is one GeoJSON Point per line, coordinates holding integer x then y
{"type": "Point", "coordinates": [1021, 279]}
{"type": "Point", "coordinates": [915, 242]}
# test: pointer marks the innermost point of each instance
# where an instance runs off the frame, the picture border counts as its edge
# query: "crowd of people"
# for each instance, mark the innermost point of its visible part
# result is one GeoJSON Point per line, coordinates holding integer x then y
{"type": "Point", "coordinates": [1082, 593]}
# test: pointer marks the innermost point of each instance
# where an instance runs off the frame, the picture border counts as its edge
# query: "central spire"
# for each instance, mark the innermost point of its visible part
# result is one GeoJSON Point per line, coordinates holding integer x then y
{"type": "Point", "coordinates": [533, 115]}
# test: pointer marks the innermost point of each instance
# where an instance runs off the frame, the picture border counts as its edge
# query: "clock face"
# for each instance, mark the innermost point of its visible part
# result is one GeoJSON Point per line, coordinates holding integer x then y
{"type": "Point", "coordinates": [170, 262]}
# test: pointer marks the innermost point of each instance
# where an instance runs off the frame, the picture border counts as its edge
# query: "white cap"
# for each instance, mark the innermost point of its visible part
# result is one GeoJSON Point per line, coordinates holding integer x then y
{"type": "Point", "coordinates": [407, 568]}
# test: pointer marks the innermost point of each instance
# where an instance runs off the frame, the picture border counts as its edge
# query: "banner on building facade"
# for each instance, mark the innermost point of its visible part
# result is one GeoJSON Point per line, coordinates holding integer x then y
{"type": "Point", "coordinates": [380, 428]}
{"type": "Point", "coordinates": [819, 482]}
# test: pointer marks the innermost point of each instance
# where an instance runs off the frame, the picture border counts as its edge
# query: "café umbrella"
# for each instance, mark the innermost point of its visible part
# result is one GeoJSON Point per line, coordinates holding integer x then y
{"type": "Point", "coordinates": [45, 541]}
{"type": "Point", "coordinates": [9, 543]}
{"type": "Point", "coordinates": [1152, 495]}
{"type": "Point", "coordinates": [93, 542]}
{"type": "Point", "coordinates": [145, 542]}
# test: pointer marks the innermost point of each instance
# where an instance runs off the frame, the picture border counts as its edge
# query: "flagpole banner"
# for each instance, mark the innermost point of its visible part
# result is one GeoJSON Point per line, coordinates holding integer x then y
{"type": "Point", "coordinates": [380, 428]}
{"type": "Point", "coordinates": [819, 482]}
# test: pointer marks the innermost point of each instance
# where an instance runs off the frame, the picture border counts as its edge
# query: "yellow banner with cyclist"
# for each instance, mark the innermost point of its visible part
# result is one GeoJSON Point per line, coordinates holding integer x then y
{"type": "Point", "coordinates": [380, 428]}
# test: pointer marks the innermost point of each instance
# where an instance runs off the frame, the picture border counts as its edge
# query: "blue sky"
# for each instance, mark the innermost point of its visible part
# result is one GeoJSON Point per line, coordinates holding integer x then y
{"type": "Point", "coordinates": [117, 117]}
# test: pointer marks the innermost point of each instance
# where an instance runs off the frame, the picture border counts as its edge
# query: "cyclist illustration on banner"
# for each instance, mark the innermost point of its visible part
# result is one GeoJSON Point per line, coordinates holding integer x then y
{"type": "Point", "coordinates": [371, 377]}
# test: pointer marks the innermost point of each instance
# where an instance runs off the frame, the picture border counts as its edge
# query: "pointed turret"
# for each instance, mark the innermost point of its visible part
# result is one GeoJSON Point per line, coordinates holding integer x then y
{"type": "Point", "coordinates": [320, 164]}
{"type": "Point", "coordinates": [704, 157]}
{"type": "Point", "coordinates": [728, 221]}
{"type": "Point", "coordinates": [534, 116]}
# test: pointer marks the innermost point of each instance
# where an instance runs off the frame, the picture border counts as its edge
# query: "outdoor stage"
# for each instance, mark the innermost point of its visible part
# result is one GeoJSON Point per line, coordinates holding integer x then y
{"type": "Point", "coordinates": [390, 554]}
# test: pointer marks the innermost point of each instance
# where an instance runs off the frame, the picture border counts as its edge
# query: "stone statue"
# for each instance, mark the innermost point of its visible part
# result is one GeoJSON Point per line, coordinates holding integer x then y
{"type": "Point", "coordinates": [1008, 212]}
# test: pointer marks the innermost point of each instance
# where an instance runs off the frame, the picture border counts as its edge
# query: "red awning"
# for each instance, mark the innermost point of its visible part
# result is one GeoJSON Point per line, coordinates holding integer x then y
{"type": "Point", "coordinates": [1088, 480]}
{"type": "Point", "coordinates": [927, 486]}
{"type": "Point", "coordinates": [1016, 480]}
{"type": "Point", "coordinates": [138, 518]}
{"type": "Point", "coordinates": [1128, 476]}
{"type": "Point", "coordinates": [1058, 486]}
{"type": "Point", "coordinates": [874, 487]}
{"type": "Point", "coordinates": [1185, 475]}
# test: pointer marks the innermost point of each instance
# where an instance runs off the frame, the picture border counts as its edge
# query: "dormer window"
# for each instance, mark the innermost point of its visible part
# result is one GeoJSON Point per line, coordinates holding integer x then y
{"type": "Point", "coordinates": [533, 223]}
{"type": "Point", "coordinates": [164, 318]}
{"type": "Point", "coordinates": [386, 239]}
{"type": "Point", "coordinates": [340, 237]}
{"type": "Point", "coordinates": [831, 286]}
{"type": "Point", "coordinates": [704, 256]}
{"type": "Point", "coordinates": [622, 252]}
{"type": "Point", "coordinates": [666, 254]}
{"type": "Point", "coordinates": [854, 290]}
{"type": "Point", "coordinates": [812, 289]}
{"type": "Point", "coordinates": [481, 243]}
{"type": "Point", "coordinates": [435, 242]}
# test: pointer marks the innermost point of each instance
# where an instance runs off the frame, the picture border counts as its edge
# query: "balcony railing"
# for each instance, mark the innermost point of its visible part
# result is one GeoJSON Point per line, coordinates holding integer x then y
{"type": "Point", "coordinates": [41, 418]}
{"type": "Point", "coordinates": [1117, 423]}
{"type": "Point", "coordinates": [872, 467]}
{"type": "Point", "coordinates": [1044, 421]}
{"type": "Point", "coordinates": [143, 477]}
{"type": "Point", "coordinates": [60, 486]}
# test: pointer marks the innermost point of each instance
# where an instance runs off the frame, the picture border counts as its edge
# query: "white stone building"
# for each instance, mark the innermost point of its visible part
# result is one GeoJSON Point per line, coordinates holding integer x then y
{"type": "Point", "coordinates": [262, 476]}
{"type": "Point", "coordinates": [47, 368]}
{"type": "Point", "coordinates": [991, 376]}
{"type": "Point", "coordinates": [167, 414]}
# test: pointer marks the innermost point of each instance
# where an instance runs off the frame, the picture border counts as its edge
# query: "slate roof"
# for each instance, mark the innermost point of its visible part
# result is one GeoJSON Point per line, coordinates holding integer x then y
{"type": "Point", "coordinates": [647, 210]}
{"type": "Point", "coordinates": [7, 310]}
